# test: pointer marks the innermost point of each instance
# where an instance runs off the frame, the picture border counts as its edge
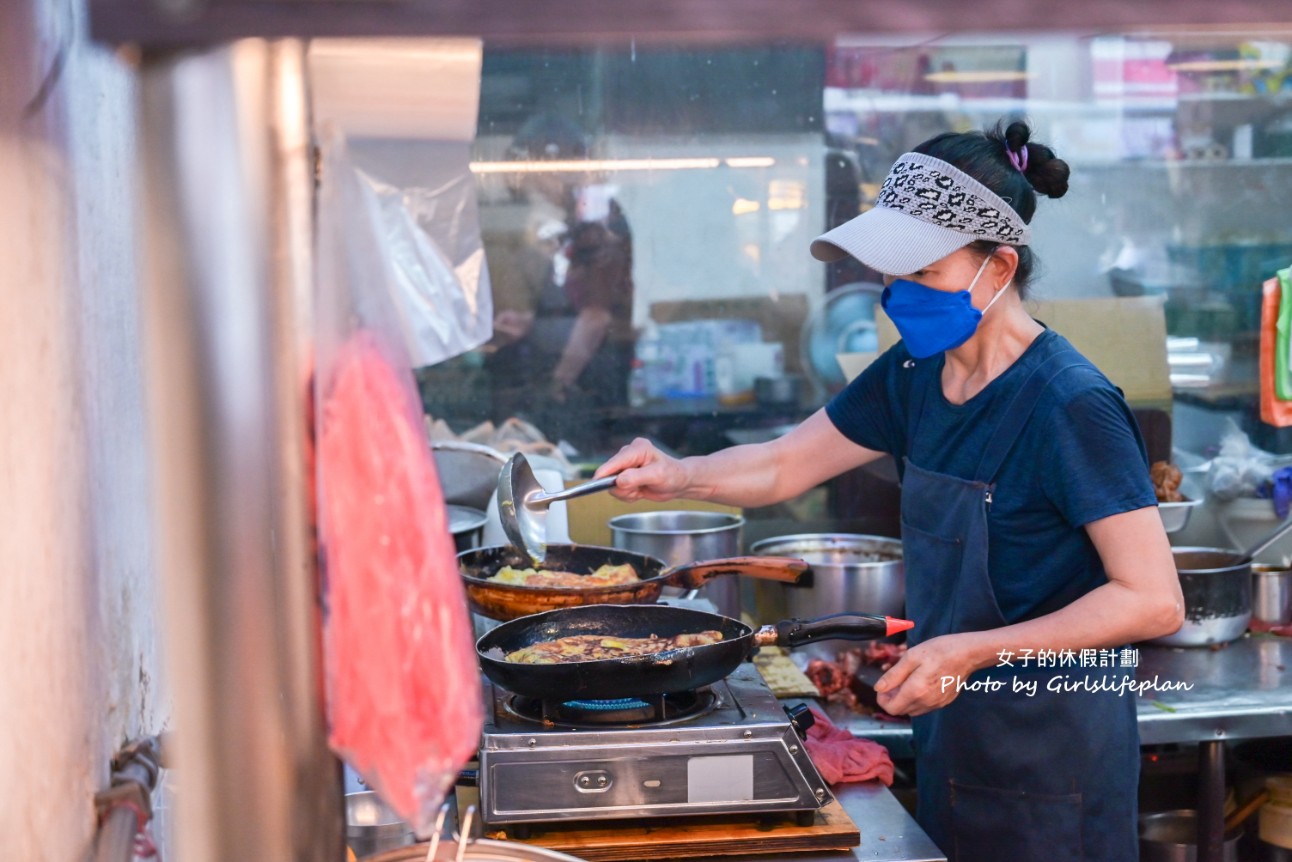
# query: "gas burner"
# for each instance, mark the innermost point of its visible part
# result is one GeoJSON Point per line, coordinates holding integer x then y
{"type": "Point", "coordinates": [651, 711]}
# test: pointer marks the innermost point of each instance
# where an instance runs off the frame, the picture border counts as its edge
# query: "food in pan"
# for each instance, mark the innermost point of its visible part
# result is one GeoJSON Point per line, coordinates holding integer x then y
{"type": "Point", "coordinates": [594, 647]}
{"type": "Point", "coordinates": [1166, 482]}
{"type": "Point", "coordinates": [605, 576]}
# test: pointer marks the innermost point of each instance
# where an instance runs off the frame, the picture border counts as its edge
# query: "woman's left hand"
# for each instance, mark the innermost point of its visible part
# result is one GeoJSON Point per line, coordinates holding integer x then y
{"type": "Point", "coordinates": [926, 677]}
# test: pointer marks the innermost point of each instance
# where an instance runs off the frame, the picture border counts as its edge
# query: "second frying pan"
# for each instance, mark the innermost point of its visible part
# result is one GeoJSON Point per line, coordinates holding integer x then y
{"type": "Point", "coordinates": [509, 601]}
{"type": "Point", "coordinates": [656, 673]}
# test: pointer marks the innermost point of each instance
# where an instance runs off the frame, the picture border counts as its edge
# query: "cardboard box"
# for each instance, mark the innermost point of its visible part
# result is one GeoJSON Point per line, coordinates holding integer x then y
{"type": "Point", "coordinates": [1124, 337]}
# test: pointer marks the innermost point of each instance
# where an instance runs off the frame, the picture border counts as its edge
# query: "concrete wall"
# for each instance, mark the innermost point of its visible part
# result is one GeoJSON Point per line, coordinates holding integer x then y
{"type": "Point", "coordinates": [78, 640]}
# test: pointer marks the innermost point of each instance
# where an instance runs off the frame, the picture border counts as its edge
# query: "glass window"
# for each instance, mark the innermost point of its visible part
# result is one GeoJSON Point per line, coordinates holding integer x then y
{"type": "Point", "coordinates": [646, 214]}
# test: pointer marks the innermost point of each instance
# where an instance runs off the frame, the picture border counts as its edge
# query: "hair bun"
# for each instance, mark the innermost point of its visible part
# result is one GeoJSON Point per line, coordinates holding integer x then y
{"type": "Point", "coordinates": [1017, 136]}
{"type": "Point", "coordinates": [1046, 173]}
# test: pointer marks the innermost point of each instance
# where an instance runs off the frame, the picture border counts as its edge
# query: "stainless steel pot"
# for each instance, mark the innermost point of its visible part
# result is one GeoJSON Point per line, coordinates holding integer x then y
{"type": "Point", "coordinates": [850, 572]}
{"type": "Point", "coordinates": [1217, 586]}
{"type": "Point", "coordinates": [1172, 836]}
{"type": "Point", "coordinates": [467, 526]}
{"type": "Point", "coordinates": [679, 537]}
{"type": "Point", "coordinates": [1272, 594]}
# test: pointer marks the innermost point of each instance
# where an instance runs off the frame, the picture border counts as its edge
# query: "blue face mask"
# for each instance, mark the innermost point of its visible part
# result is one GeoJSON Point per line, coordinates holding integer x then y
{"type": "Point", "coordinates": [931, 321]}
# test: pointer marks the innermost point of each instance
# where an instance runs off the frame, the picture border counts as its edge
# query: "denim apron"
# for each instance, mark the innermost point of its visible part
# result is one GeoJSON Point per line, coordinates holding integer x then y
{"type": "Point", "coordinates": [1004, 774]}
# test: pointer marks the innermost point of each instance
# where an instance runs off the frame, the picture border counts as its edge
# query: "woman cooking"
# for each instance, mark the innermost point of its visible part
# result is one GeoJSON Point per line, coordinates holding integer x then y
{"type": "Point", "coordinates": [1029, 523]}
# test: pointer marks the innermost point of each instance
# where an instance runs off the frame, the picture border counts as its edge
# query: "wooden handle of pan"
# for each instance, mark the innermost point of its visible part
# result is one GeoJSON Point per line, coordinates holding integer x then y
{"type": "Point", "coordinates": [1246, 811]}
{"type": "Point", "coordinates": [692, 576]}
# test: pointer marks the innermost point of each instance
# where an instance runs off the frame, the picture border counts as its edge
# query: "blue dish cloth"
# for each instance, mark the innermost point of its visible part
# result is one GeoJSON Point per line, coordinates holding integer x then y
{"type": "Point", "coordinates": [1279, 489]}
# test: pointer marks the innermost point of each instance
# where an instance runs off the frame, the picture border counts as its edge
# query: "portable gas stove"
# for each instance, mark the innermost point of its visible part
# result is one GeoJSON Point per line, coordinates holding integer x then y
{"type": "Point", "coordinates": [730, 748]}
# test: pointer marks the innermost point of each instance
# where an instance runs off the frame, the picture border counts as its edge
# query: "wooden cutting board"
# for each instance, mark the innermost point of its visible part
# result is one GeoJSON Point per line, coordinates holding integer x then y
{"type": "Point", "coordinates": [693, 837]}
{"type": "Point", "coordinates": [782, 675]}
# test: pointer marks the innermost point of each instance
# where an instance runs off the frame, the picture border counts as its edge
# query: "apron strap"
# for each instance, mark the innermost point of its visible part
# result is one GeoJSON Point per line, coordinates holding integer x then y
{"type": "Point", "coordinates": [1019, 410]}
{"type": "Point", "coordinates": [921, 382]}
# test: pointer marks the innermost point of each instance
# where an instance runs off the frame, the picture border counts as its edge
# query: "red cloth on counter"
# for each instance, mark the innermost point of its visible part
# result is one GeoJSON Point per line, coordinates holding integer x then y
{"type": "Point", "coordinates": [842, 758]}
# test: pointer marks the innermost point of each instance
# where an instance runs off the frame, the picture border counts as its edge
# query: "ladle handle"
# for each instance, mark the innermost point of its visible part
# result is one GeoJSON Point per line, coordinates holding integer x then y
{"type": "Point", "coordinates": [1273, 537]}
{"type": "Point", "coordinates": [592, 487]}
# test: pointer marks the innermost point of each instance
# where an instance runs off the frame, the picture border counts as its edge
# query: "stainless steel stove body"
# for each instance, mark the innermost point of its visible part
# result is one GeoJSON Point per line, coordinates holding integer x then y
{"type": "Point", "coordinates": [728, 749]}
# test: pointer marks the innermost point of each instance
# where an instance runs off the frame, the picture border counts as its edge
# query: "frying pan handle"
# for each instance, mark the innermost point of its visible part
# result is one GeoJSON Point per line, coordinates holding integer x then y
{"type": "Point", "coordinates": [852, 627]}
{"type": "Point", "coordinates": [692, 576]}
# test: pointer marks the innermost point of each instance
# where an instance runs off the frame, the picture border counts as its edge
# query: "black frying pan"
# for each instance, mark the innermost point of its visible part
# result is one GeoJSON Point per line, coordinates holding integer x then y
{"type": "Point", "coordinates": [509, 601]}
{"type": "Point", "coordinates": [657, 673]}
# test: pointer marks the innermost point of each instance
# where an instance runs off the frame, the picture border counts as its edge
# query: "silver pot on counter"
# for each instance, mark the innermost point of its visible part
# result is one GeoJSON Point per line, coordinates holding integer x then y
{"type": "Point", "coordinates": [1217, 586]}
{"type": "Point", "coordinates": [679, 537]}
{"type": "Point", "coordinates": [850, 572]}
{"type": "Point", "coordinates": [467, 526]}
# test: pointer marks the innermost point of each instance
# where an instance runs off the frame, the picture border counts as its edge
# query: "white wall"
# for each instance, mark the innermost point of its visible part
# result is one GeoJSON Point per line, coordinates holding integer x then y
{"type": "Point", "coordinates": [80, 669]}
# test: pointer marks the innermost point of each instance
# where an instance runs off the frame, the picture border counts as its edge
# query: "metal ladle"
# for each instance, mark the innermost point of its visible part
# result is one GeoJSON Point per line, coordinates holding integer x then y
{"type": "Point", "coordinates": [1279, 532]}
{"type": "Point", "coordinates": [522, 504]}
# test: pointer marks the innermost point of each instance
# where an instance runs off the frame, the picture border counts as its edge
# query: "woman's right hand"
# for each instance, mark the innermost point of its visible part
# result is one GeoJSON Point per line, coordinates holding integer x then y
{"type": "Point", "coordinates": [645, 473]}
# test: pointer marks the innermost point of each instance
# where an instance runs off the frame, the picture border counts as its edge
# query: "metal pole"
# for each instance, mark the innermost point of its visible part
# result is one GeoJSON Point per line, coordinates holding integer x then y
{"type": "Point", "coordinates": [1211, 800]}
{"type": "Point", "coordinates": [225, 172]}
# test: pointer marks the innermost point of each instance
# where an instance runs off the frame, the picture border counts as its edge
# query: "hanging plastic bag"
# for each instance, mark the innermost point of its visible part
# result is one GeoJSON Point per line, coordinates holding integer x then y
{"type": "Point", "coordinates": [442, 310]}
{"type": "Point", "coordinates": [403, 687]}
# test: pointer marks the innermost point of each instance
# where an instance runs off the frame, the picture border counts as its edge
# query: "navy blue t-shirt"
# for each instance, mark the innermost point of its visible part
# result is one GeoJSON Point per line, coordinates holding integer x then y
{"type": "Point", "coordinates": [1079, 458]}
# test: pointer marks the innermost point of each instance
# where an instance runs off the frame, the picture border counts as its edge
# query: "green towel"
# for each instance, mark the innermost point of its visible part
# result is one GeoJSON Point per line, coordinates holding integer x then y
{"type": "Point", "coordinates": [1282, 385]}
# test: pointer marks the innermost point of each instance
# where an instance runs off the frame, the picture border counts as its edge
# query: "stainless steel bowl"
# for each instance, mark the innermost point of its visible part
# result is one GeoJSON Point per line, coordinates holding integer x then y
{"type": "Point", "coordinates": [850, 572]}
{"type": "Point", "coordinates": [1172, 836]}
{"type": "Point", "coordinates": [1175, 516]}
{"type": "Point", "coordinates": [1217, 586]}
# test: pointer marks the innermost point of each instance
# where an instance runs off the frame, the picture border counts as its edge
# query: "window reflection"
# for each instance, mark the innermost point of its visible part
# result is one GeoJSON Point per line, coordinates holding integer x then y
{"type": "Point", "coordinates": [726, 161]}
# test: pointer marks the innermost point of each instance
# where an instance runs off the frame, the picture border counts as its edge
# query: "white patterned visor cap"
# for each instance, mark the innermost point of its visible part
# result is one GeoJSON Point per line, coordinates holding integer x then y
{"type": "Point", "coordinates": [927, 208]}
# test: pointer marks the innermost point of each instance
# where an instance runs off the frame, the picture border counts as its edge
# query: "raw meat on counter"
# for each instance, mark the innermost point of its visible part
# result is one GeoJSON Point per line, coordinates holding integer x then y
{"type": "Point", "coordinates": [838, 681]}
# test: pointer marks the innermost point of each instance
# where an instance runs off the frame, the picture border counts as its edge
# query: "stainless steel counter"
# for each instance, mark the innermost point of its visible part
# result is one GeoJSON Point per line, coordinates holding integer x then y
{"type": "Point", "coordinates": [1241, 690]}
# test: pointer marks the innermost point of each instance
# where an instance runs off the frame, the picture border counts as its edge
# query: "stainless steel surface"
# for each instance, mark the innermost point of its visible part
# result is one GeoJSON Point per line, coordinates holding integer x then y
{"type": "Point", "coordinates": [1206, 631]}
{"type": "Point", "coordinates": [741, 756]}
{"type": "Point", "coordinates": [1271, 594]}
{"type": "Point", "coordinates": [372, 826]}
{"type": "Point", "coordinates": [1172, 836]}
{"type": "Point", "coordinates": [1175, 516]}
{"type": "Point", "coordinates": [467, 526]}
{"type": "Point", "coordinates": [850, 572]}
{"type": "Point", "coordinates": [523, 504]}
{"type": "Point", "coordinates": [1217, 585]}
{"type": "Point", "coordinates": [227, 188]}
{"type": "Point", "coordinates": [1240, 691]}
{"type": "Point", "coordinates": [678, 537]}
{"type": "Point", "coordinates": [468, 472]}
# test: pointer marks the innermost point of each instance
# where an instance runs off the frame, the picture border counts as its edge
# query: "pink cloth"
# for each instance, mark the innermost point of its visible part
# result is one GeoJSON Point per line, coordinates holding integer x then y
{"type": "Point", "coordinates": [841, 757]}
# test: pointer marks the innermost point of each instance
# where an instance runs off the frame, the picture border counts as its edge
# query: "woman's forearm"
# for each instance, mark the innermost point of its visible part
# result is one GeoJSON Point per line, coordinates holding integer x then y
{"type": "Point", "coordinates": [765, 473]}
{"type": "Point", "coordinates": [1111, 615]}
{"type": "Point", "coordinates": [589, 331]}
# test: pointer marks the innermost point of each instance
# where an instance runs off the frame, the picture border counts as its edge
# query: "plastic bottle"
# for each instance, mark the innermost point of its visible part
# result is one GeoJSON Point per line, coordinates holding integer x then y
{"type": "Point", "coordinates": [637, 385]}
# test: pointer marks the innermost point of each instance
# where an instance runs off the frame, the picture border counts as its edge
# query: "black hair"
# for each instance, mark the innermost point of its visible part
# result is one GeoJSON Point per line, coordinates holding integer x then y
{"type": "Point", "coordinates": [985, 156]}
